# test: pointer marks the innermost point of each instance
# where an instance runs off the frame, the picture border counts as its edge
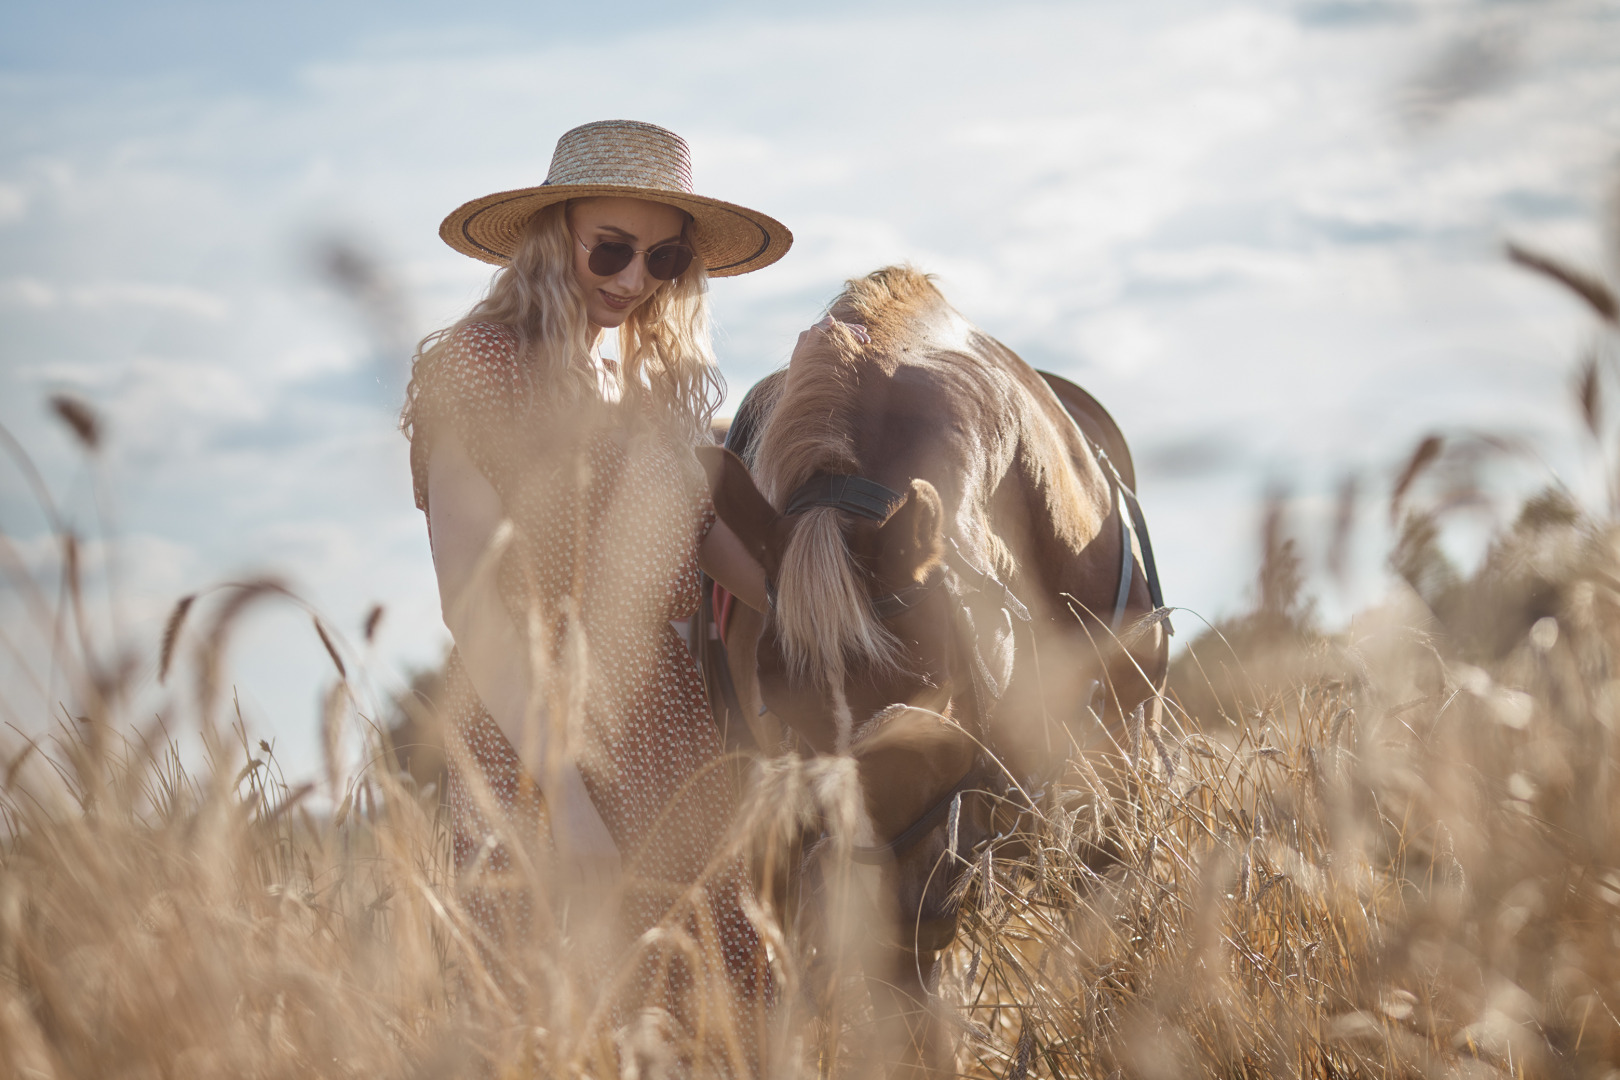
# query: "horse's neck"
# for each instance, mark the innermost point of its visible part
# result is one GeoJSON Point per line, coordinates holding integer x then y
{"type": "Point", "coordinates": [1053, 501]}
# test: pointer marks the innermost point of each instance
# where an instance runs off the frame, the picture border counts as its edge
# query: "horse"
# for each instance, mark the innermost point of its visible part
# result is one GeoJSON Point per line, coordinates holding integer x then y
{"type": "Point", "coordinates": [962, 600]}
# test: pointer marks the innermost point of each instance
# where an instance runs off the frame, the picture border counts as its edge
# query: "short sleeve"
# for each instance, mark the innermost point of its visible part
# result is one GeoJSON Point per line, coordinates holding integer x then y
{"type": "Point", "coordinates": [469, 383]}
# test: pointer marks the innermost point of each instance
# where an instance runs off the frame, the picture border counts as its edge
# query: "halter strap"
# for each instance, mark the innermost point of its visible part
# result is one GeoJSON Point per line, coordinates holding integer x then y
{"type": "Point", "coordinates": [879, 853]}
{"type": "Point", "coordinates": [892, 604]}
{"type": "Point", "coordinates": [842, 491]}
{"type": "Point", "coordinates": [983, 580]}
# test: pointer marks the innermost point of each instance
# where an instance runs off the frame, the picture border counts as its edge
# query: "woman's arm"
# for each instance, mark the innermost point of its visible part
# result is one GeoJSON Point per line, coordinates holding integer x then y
{"type": "Point", "coordinates": [466, 524]}
{"type": "Point", "coordinates": [723, 557]}
{"type": "Point", "coordinates": [469, 531]}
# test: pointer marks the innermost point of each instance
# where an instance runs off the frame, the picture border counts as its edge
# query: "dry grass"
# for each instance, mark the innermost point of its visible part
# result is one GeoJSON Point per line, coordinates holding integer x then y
{"type": "Point", "coordinates": [1386, 852]}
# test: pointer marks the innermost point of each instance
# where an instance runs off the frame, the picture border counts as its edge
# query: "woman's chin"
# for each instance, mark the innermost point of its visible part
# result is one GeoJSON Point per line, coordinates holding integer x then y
{"type": "Point", "coordinates": [608, 319]}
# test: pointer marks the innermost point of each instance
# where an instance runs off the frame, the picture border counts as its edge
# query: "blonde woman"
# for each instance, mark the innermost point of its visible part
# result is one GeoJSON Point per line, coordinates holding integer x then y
{"type": "Point", "coordinates": [568, 519]}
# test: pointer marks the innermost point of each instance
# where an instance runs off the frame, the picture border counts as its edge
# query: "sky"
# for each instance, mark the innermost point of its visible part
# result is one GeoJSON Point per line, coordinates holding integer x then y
{"type": "Point", "coordinates": [1267, 236]}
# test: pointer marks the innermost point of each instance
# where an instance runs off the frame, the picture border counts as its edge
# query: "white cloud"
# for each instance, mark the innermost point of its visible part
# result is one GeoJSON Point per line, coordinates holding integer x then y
{"type": "Point", "coordinates": [113, 295]}
{"type": "Point", "coordinates": [317, 358]}
{"type": "Point", "coordinates": [1217, 263]}
{"type": "Point", "coordinates": [179, 299]}
{"type": "Point", "coordinates": [1122, 340]}
{"type": "Point", "coordinates": [28, 292]}
{"type": "Point", "coordinates": [13, 202]}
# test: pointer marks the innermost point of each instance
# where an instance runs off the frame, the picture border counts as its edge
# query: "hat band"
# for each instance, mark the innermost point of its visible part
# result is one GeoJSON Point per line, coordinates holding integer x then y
{"type": "Point", "coordinates": [659, 180]}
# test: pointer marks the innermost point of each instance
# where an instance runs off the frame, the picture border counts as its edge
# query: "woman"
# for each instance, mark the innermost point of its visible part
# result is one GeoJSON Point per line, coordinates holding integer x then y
{"type": "Point", "coordinates": [576, 712]}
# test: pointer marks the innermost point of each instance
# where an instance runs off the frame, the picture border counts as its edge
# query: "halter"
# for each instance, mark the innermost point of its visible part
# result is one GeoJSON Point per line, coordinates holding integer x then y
{"type": "Point", "coordinates": [844, 491]}
{"type": "Point", "coordinates": [871, 500]}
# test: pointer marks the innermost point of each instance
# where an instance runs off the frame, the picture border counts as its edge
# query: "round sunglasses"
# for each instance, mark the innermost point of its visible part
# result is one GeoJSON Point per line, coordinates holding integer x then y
{"type": "Point", "coordinates": [666, 262]}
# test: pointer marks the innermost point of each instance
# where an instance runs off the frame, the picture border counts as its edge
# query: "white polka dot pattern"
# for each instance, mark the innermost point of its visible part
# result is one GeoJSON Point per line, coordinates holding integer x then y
{"type": "Point", "coordinates": [609, 515]}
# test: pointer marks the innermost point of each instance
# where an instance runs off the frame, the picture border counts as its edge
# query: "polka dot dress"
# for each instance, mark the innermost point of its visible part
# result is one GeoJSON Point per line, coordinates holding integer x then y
{"type": "Point", "coordinates": [609, 511]}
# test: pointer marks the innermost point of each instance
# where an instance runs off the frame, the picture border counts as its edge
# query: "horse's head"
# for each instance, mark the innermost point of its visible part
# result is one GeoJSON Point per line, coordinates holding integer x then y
{"type": "Point", "coordinates": [868, 611]}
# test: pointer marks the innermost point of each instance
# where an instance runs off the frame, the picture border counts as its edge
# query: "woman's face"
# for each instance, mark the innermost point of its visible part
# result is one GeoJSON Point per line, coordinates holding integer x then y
{"type": "Point", "coordinates": [641, 224]}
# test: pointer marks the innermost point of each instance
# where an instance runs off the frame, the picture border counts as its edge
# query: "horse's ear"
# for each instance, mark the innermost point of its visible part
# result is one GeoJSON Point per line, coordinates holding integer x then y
{"type": "Point", "coordinates": [738, 503]}
{"type": "Point", "coordinates": [912, 540]}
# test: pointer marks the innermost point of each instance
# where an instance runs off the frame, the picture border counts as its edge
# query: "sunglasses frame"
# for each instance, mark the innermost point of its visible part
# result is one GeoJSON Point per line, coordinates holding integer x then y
{"type": "Point", "coordinates": [646, 253]}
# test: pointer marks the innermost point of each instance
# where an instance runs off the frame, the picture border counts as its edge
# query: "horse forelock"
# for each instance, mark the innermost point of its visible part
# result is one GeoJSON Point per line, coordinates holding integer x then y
{"type": "Point", "coordinates": [824, 615]}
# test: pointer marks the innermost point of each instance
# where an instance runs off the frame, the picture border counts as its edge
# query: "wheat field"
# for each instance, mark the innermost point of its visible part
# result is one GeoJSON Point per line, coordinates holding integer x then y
{"type": "Point", "coordinates": [1389, 850]}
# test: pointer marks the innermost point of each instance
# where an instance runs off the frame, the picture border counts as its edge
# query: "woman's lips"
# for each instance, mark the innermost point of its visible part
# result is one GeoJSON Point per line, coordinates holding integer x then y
{"type": "Point", "coordinates": [617, 303]}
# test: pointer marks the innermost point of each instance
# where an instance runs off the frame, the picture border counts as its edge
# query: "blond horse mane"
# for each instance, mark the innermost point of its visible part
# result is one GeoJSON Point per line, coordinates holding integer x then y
{"type": "Point", "coordinates": [824, 613]}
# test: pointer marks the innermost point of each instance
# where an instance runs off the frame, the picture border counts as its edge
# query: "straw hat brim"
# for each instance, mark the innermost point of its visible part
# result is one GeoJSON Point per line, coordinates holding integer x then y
{"type": "Point", "coordinates": [730, 239]}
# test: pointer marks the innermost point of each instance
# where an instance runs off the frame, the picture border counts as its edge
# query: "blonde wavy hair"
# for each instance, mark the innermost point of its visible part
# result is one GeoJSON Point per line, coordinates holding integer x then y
{"type": "Point", "coordinates": [666, 360]}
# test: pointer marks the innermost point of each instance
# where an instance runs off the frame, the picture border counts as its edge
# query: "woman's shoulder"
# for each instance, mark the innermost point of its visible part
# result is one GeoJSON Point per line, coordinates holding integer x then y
{"type": "Point", "coordinates": [471, 372]}
{"type": "Point", "coordinates": [480, 342]}
{"type": "Point", "coordinates": [474, 353]}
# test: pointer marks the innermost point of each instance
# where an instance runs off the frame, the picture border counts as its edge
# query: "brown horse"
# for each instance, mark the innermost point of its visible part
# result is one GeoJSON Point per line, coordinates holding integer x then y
{"type": "Point", "coordinates": [962, 598]}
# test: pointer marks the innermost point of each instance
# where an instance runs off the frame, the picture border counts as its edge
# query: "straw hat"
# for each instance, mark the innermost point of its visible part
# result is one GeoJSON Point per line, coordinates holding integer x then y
{"type": "Point", "coordinates": [627, 159]}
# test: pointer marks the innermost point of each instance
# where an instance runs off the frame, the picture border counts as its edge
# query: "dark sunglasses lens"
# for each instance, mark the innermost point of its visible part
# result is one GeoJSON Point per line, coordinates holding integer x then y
{"type": "Point", "coordinates": [610, 257]}
{"type": "Point", "coordinates": [669, 262]}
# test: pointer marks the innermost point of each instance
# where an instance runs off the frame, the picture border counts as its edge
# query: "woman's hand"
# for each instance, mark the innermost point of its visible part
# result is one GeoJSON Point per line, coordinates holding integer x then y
{"type": "Point", "coordinates": [588, 862]}
{"type": "Point", "coordinates": [826, 325]}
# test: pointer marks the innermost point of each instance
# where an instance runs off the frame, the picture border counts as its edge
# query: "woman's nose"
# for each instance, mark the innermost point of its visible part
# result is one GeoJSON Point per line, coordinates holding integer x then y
{"type": "Point", "coordinates": [633, 278]}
